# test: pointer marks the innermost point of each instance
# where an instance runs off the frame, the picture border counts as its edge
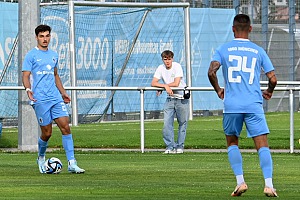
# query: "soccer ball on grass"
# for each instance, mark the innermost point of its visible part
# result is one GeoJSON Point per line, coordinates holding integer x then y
{"type": "Point", "coordinates": [53, 166]}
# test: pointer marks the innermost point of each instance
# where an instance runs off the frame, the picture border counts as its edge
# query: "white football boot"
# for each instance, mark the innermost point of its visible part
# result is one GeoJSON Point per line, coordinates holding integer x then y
{"type": "Point", "coordinates": [73, 167]}
{"type": "Point", "coordinates": [41, 163]}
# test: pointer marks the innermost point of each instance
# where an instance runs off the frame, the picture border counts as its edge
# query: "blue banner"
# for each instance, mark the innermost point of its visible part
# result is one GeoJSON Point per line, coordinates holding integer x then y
{"type": "Point", "coordinates": [102, 52]}
{"type": "Point", "coordinates": [8, 30]}
{"type": "Point", "coordinates": [209, 29]}
{"type": "Point", "coordinates": [8, 33]}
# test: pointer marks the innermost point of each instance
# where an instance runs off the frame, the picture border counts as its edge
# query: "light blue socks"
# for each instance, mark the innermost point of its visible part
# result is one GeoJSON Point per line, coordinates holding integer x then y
{"type": "Point", "coordinates": [235, 160]}
{"type": "Point", "coordinates": [67, 141]}
{"type": "Point", "coordinates": [42, 147]}
{"type": "Point", "coordinates": [266, 165]}
{"type": "Point", "coordinates": [265, 161]}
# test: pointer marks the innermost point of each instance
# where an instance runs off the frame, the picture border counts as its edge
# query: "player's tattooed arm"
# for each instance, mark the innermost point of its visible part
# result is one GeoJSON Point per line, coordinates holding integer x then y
{"type": "Point", "coordinates": [267, 94]}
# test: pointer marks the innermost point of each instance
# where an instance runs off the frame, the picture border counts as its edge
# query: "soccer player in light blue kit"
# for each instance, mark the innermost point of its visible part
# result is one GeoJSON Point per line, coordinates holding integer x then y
{"type": "Point", "coordinates": [48, 97]}
{"type": "Point", "coordinates": [242, 62]}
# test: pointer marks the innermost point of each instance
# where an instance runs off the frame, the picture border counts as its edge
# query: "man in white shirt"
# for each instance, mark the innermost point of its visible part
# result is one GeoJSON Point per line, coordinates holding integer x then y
{"type": "Point", "coordinates": [171, 74]}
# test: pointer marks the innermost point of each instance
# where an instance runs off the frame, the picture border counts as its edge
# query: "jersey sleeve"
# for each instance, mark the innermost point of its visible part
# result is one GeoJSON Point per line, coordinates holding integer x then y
{"type": "Point", "coordinates": [266, 62]}
{"type": "Point", "coordinates": [217, 56]}
{"type": "Point", "coordinates": [27, 63]}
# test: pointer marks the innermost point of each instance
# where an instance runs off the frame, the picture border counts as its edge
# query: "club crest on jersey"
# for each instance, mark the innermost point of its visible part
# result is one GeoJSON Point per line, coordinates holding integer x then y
{"type": "Point", "coordinates": [48, 67]}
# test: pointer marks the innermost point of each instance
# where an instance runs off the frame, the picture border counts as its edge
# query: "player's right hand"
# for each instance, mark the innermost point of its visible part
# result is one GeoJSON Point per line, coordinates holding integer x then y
{"type": "Point", "coordinates": [66, 98]}
{"type": "Point", "coordinates": [30, 95]}
{"type": "Point", "coordinates": [169, 90]}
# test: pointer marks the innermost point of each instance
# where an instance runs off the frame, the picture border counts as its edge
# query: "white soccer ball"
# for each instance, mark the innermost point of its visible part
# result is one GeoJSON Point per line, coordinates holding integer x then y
{"type": "Point", "coordinates": [53, 166]}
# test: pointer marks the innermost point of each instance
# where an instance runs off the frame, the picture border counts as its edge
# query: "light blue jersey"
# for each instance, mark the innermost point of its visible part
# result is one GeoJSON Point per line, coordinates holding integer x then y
{"type": "Point", "coordinates": [241, 62]}
{"type": "Point", "coordinates": [41, 64]}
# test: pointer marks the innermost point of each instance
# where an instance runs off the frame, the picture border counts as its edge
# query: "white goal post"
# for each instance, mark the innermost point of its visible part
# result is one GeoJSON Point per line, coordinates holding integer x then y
{"type": "Point", "coordinates": [116, 44]}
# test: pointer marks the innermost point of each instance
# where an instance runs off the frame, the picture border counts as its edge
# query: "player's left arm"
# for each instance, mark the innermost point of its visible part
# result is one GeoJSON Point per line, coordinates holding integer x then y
{"type": "Point", "coordinates": [60, 87]}
{"type": "Point", "coordinates": [267, 94]}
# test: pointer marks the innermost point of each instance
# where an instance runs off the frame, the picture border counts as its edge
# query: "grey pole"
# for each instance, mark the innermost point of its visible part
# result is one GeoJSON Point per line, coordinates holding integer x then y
{"type": "Point", "coordinates": [264, 31]}
{"type": "Point", "coordinates": [291, 99]}
{"type": "Point", "coordinates": [188, 56]}
{"type": "Point", "coordinates": [292, 30]}
{"type": "Point", "coordinates": [142, 120]}
{"type": "Point", "coordinates": [29, 18]}
{"type": "Point", "coordinates": [73, 63]}
{"type": "Point", "coordinates": [236, 6]}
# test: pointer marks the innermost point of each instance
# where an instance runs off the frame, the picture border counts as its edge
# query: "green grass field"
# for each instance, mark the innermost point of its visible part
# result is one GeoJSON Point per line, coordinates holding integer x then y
{"type": "Point", "coordinates": [149, 175]}
{"type": "Point", "coordinates": [129, 175]}
{"type": "Point", "coordinates": [202, 132]}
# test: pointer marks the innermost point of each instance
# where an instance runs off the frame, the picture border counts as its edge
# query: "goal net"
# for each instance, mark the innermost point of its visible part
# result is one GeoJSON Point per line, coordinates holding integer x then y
{"type": "Point", "coordinates": [116, 44]}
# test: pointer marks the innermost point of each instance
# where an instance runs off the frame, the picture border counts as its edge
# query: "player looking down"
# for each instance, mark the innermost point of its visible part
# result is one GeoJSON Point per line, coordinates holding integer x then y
{"type": "Point", "coordinates": [48, 97]}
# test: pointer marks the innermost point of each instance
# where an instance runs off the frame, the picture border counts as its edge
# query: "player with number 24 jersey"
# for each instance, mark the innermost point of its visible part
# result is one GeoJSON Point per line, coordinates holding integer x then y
{"type": "Point", "coordinates": [242, 61]}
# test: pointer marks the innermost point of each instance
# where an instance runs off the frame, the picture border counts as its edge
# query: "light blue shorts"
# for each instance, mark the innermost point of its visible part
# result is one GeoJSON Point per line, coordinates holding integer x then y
{"type": "Point", "coordinates": [256, 124]}
{"type": "Point", "coordinates": [47, 112]}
